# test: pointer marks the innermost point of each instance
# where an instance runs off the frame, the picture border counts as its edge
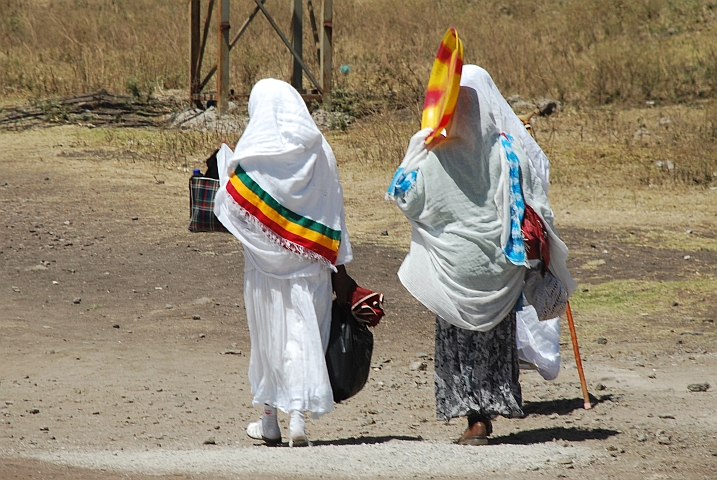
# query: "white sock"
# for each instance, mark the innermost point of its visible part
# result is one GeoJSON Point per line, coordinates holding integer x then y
{"type": "Point", "coordinates": [270, 423]}
{"type": "Point", "coordinates": [297, 427]}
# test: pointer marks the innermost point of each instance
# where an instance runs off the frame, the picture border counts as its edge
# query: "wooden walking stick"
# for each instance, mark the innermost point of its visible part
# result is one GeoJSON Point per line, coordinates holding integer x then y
{"type": "Point", "coordinates": [578, 360]}
{"type": "Point", "coordinates": [573, 335]}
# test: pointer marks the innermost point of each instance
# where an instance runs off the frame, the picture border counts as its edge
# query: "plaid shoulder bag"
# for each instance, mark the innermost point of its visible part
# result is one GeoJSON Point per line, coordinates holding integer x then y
{"type": "Point", "coordinates": [201, 205]}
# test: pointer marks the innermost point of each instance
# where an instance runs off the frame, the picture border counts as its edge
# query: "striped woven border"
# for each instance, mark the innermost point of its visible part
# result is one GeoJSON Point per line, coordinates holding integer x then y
{"type": "Point", "coordinates": [302, 231]}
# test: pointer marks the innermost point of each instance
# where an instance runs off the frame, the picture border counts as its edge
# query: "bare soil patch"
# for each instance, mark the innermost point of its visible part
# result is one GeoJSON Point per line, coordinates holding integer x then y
{"type": "Point", "coordinates": [124, 343]}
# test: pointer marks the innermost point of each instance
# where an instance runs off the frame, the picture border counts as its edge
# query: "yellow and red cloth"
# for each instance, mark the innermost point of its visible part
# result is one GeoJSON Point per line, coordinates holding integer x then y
{"type": "Point", "coordinates": [443, 84]}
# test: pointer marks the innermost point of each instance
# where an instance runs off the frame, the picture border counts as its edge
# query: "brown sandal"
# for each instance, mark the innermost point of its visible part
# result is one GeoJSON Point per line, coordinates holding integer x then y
{"type": "Point", "coordinates": [479, 428]}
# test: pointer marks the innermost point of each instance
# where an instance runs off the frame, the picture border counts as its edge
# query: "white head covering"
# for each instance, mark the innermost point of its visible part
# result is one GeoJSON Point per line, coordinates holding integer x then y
{"type": "Point", "coordinates": [506, 120]}
{"type": "Point", "coordinates": [286, 156]}
{"type": "Point", "coordinates": [459, 210]}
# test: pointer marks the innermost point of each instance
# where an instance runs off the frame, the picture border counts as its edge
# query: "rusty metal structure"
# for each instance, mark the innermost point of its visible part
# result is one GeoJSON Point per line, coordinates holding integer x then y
{"type": "Point", "coordinates": [322, 35]}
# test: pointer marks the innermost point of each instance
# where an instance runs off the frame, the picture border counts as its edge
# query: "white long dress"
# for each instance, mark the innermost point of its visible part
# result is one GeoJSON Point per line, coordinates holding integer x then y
{"type": "Point", "coordinates": [288, 305]}
{"type": "Point", "coordinates": [290, 191]}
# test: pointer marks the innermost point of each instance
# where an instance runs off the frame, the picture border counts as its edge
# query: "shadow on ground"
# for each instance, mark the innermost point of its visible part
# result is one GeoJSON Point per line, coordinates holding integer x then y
{"type": "Point", "coordinates": [562, 406]}
{"type": "Point", "coordinates": [368, 440]}
{"type": "Point", "coordinates": [545, 435]}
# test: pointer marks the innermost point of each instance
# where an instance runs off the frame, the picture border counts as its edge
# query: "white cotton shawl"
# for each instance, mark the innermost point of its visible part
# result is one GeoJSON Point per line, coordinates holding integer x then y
{"type": "Point", "coordinates": [458, 209]}
{"type": "Point", "coordinates": [284, 152]}
{"type": "Point", "coordinates": [537, 341]}
{"type": "Point", "coordinates": [506, 120]}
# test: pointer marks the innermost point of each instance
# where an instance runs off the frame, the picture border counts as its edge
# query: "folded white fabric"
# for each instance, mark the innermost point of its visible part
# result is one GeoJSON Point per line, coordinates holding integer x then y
{"type": "Point", "coordinates": [405, 175]}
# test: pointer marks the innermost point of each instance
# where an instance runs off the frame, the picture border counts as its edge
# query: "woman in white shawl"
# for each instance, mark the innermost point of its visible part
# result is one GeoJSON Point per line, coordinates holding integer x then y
{"type": "Point", "coordinates": [465, 199]}
{"type": "Point", "coordinates": [280, 196]}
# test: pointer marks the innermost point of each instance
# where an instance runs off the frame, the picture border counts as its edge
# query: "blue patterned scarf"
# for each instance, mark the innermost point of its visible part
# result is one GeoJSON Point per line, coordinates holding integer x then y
{"type": "Point", "coordinates": [514, 249]}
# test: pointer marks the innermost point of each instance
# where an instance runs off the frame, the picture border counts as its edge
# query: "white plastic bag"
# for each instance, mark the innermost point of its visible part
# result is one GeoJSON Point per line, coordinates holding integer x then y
{"type": "Point", "coordinates": [538, 342]}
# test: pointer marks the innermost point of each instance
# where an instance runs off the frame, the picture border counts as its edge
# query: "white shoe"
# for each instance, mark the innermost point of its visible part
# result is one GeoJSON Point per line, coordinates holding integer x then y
{"type": "Point", "coordinates": [297, 430]}
{"type": "Point", "coordinates": [254, 430]}
{"type": "Point", "coordinates": [299, 441]}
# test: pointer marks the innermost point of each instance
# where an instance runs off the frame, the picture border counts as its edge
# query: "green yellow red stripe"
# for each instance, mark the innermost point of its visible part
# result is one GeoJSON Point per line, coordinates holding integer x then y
{"type": "Point", "coordinates": [300, 230]}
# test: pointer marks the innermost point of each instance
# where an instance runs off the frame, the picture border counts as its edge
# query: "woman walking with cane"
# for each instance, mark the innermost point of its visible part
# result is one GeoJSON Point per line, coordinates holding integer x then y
{"type": "Point", "coordinates": [465, 198]}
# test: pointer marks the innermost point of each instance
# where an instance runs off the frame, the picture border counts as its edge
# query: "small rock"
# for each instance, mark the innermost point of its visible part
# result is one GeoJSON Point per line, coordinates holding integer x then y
{"type": "Point", "coordinates": [667, 415]}
{"type": "Point", "coordinates": [652, 375]}
{"type": "Point", "coordinates": [600, 386]}
{"type": "Point", "coordinates": [230, 352]}
{"type": "Point", "coordinates": [116, 325]}
{"type": "Point", "coordinates": [602, 341]}
{"type": "Point", "coordinates": [33, 411]}
{"type": "Point", "coordinates": [368, 420]}
{"type": "Point", "coordinates": [196, 317]}
{"type": "Point", "coordinates": [169, 306]}
{"type": "Point", "coordinates": [698, 387]}
{"type": "Point", "coordinates": [384, 233]}
{"type": "Point", "coordinates": [202, 335]}
{"type": "Point", "coordinates": [210, 441]}
{"type": "Point", "coordinates": [642, 437]}
{"type": "Point", "coordinates": [664, 440]}
{"type": "Point", "coordinates": [77, 300]}
{"type": "Point", "coordinates": [414, 366]}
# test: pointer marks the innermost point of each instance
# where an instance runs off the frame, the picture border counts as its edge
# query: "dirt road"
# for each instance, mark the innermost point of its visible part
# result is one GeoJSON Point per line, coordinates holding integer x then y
{"type": "Point", "coordinates": [124, 346]}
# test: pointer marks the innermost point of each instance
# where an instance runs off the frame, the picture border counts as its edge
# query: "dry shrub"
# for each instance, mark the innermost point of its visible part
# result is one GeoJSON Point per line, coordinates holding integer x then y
{"type": "Point", "coordinates": [171, 148]}
{"type": "Point", "coordinates": [377, 144]}
{"type": "Point", "coordinates": [673, 145]}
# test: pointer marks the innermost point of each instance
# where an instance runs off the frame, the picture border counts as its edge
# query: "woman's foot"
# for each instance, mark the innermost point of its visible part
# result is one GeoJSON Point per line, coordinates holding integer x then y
{"type": "Point", "coordinates": [479, 428]}
{"type": "Point", "coordinates": [266, 428]}
{"type": "Point", "coordinates": [297, 430]}
{"type": "Point", "coordinates": [254, 430]}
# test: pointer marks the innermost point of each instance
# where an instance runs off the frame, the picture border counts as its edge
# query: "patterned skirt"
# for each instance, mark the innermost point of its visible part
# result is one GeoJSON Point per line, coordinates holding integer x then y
{"type": "Point", "coordinates": [477, 371]}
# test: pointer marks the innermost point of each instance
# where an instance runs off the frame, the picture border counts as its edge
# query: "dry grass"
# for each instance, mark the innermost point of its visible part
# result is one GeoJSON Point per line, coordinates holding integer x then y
{"type": "Point", "coordinates": [596, 51]}
{"type": "Point", "coordinates": [602, 58]}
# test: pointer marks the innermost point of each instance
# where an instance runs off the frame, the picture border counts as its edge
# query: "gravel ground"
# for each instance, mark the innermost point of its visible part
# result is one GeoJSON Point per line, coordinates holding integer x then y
{"type": "Point", "coordinates": [394, 459]}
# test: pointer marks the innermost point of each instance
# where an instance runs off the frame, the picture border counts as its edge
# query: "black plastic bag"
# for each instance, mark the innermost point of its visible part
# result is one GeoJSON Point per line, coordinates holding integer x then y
{"type": "Point", "coordinates": [348, 356]}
